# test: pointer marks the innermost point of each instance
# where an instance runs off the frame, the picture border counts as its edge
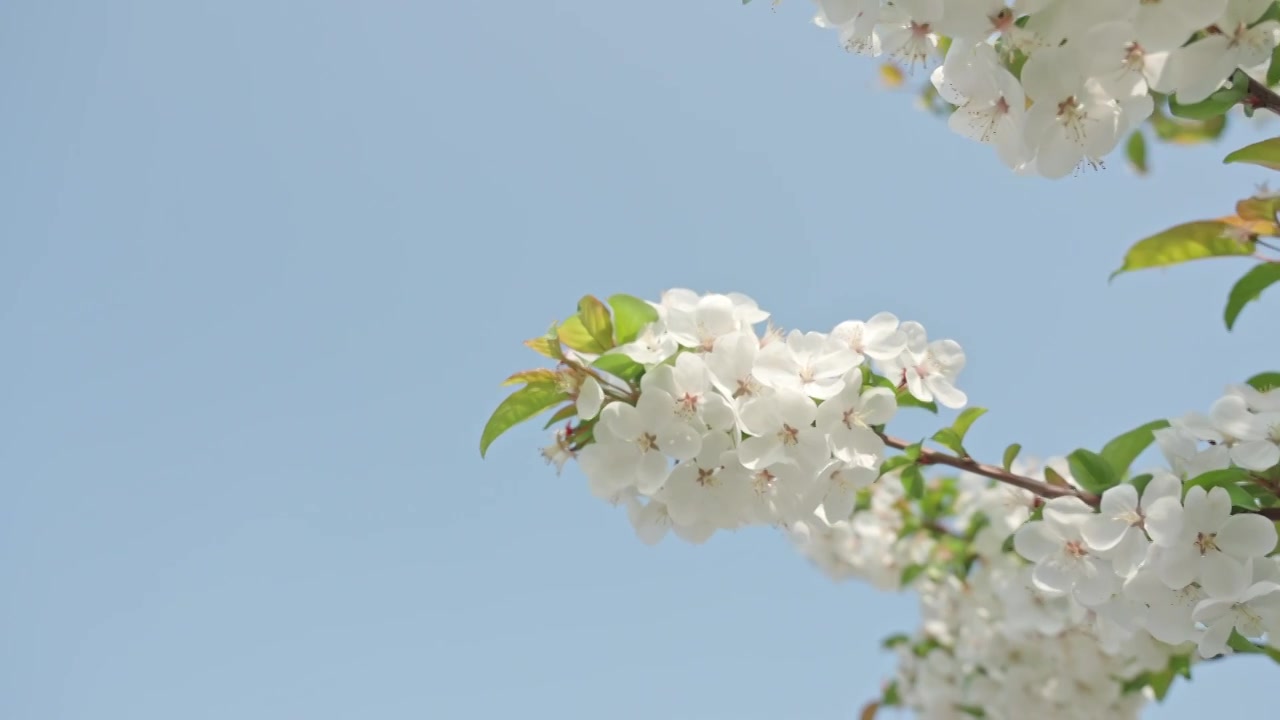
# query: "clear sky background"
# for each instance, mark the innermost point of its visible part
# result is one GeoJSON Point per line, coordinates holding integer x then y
{"type": "Point", "coordinates": [264, 263]}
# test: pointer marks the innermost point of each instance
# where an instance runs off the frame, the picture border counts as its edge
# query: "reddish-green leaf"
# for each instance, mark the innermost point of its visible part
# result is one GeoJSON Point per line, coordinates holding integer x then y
{"type": "Point", "coordinates": [595, 318]}
{"type": "Point", "coordinates": [518, 407]}
{"type": "Point", "coordinates": [1186, 242]}
{"type": "Point", "coordinates": [1265, 153]}
{"type": "Point", "coordinates": [575, 336]}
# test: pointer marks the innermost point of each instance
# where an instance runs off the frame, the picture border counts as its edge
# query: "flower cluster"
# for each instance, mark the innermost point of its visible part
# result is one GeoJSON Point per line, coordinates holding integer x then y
{"type": "Point", "coordinates": [733, 427]}
{"type": "Point", "coordinates": [1068, 634]}
{"type": "Point", "coordinates": [1053, 84]}
{"type": "Point", "coordinates": [1068, 586]}
{"type": "Point", "coordinates": [1170, 557]}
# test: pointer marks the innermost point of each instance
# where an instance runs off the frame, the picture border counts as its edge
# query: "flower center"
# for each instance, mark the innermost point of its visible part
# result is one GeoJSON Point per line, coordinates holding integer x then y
{"type": "Point", "coordinates": [789, 436]}
{"type": "Point", "coordinates": [807, 374]}
{"type": "Point", "coordinates": [706, 477]}
{"type": "Point", "coordinates": [1002, 20]}
{"type": "Point", "coordinates": [1076, 549]}
{"type": "Point", "coordinates": [648, 442]}
{"type": "Point", "coordinates": [1071, 115]}
{"type": "Point", "coordinates": [762, 482]}
{"type": "Point", "coordinates": [687, 405]}
{"type": "Point", "coordinates": [1206, 542]}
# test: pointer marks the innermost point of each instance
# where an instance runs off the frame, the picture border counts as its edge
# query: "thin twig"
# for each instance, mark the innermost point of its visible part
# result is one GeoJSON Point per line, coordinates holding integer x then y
{"type": "Point", "coordinates": [1259, 96]}
{"type": "Point", "coordinates": [1036, 487]}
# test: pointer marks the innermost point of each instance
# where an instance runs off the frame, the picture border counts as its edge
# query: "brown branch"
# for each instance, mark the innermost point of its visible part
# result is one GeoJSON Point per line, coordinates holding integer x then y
{"type": "Point", "coordinates": [1039, 488]}
{"type": "Point", "coordinates": [1259, 96]}
{"type": "Point", "coordinates": [1036, 487]}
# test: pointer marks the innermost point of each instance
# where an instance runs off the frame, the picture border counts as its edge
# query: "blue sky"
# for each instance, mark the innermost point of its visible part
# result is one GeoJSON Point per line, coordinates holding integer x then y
{"type": "Point", "coordinates": [264, 265]}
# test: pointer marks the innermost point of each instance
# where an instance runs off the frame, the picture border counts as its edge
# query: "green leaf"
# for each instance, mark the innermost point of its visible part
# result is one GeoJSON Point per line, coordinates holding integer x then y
{"type": "Point", "coordinates": [1136, 151]}
{"type": "Point", "coordinates": [951, 440]}
{"type": "Point", "coordinates": [1123, 450]}
{"type": "Point", "coordinates": [1216, 104]}
{"type": "Point", "coordinates": [619, 366]}
{"type": "Point", "coordinates": [1242, 644]}
{"type": "Point", "coordinates": [538, 376]}
{"type": "Point", "coordinates": [1265, 381]}
{"type": "Point", "coordinates": [595, 318]}
{"type": "Point", "coordinates": [1140, 482]}
{"type": "Point", "coordinates": [1183, 243]}
{"type": "Point", "coordinates": [1160, 684]}
{"type": "Point", "coordinates": [1053, 477]}
{"type": "Point", "coordinates": [547, 346]}
{"type": "Point", "coordinates": [966, 420]}
{"type": "Point", "coordinates": [630, 316]}
{"type": "Point", "coordinates": [1228, 479]}
{"type": "Point", "coordinates": [518, 407]}
{"type": "Point", "coordinates": [1265, 153]}
{"type": "Point", "coordinates": [1272, 13]}
{"type": "Point", "coordinates": [1258, 208]}
{"type": "Point", "coordinates": [909, 573]}
{"type": "Point", "coordinates": [1011, 454]}
{"type": "Point", "coordinates": [894, 463]}
{"type": "Point", "coordinates": [912, 451]}
{"type": "Point", "coordinates": [1273, 70]}
{"type": "Point", "coordinates": [575, 335]}
{"type": "Point", "coordinates": [1136, 683]}
{"type": "Point", "coordinates": [1186, 132]}
{"type": "Point", "coordinates": [892, 696]}
{"type": "Point", "coordinates": [913, 481]}
{"type": "Point", "coordinates": [1092, 472]}
{"type": "Point", "coordinates": [1249, 288]}
{"type": "Point", "coordinates": [895, 640]}
{"type": "Point", "coordinates": [563, 413]}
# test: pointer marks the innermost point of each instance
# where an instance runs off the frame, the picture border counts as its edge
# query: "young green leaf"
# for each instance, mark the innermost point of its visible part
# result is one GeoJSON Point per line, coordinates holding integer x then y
{"type": "Point", "coordinates": [1265, 153]}
{"type": "Point", "coordinates": [1123, 450]}
{"type": "Point", "coordinates": [1183, 243]}
{"type": "Point", "coordinates": [1216, 104]}
{"type": "Point", "coordinates": [913, 481]}
{"type": "Point", "coordinates": [950, 439]}
{"type": "Point", "coordinates": [966, 419]}
{"type": "Point", "coordinates": [575, 336]}
{"type": "Point", "coordinates": [1011, 454]}
{"type": "Point", "coordinates": [1249, 288]}
{"type": "Point", "coordinates": [547, 346]}
{"type": "Point", "coordinates": [537, 376]}
{"type": "Point", "coordinates": [595, 318]}
{"type": "Point", "coordinates": [1264, 381]}
{"type": "Point", "coordinates": [894, 463]}
{"type": "Point", "coordinates": [909, 573]}
{"type": "Point", "coordinates": [1140, 482]}
{"type": "Point", "coordinates": [1228, 479]}
{"type": "Point", "coordinates": [619, 366]}
{"type": "Point", "coordinates": [630, 316]}
{"type": "Point", "coordinates": [1053, 477]}
{"type": "Point", "coordinates": [1136, 150]}
{"type": "Point", "coordinates": [1092, 472]}
{"type": "Point", "coordinates": [562, 414]}
{"type": "Point", "coordinates": [518, 407]}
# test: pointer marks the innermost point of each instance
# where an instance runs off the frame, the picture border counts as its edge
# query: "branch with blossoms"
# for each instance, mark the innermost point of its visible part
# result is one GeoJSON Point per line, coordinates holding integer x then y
{"type": "Point", "coordinates": [698, 423]}
{"type": "Point", "coordinates": [1075, 586]}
